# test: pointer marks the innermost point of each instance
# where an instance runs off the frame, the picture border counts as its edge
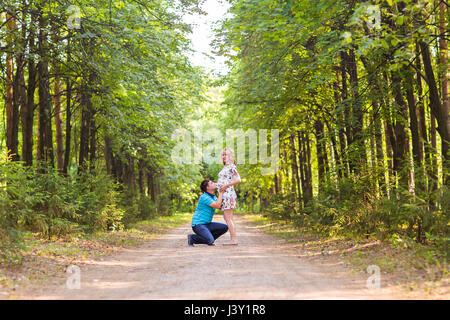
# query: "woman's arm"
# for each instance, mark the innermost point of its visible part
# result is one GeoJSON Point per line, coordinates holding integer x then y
{"type": "Point", "coordinates": [235, 181]}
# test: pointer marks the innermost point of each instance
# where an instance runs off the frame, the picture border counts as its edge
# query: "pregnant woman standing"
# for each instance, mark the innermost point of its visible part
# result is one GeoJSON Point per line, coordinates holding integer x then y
{"type": "Point", "coordinates": [228, 177]}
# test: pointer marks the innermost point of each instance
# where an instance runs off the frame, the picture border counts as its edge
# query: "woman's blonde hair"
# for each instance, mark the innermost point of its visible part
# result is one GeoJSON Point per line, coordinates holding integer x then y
{"type": "Point", "coordinates": [230, 155]}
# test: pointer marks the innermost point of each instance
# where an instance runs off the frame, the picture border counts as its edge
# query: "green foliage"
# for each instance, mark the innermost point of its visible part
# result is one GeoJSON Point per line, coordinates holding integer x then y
{"type": "Point", "coordinates": [11, 245]}
{"type": "Point", "coordinates": [357, 69]}
{"type": "Point", "coordinates": [344, 213]}
{"type": "Point", "coordinates": [48, 203]}
{"type": "Point", "coordinates": [164, 204]}
{"type": "Point", "coordinates": [136, 207]}
{"type": "Point", "coordinates": [128, 67]}
{"type": "Point", "coordinates": [14, 204]}
{"type": "Point", "coordinates": [111, 218]}
{"type": "Point", "coordinates": [282, 205]}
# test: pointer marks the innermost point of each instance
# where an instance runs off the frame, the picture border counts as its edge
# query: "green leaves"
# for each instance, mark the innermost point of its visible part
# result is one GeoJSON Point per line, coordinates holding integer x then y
{"type": "Point", "coordinates": [347, 36]}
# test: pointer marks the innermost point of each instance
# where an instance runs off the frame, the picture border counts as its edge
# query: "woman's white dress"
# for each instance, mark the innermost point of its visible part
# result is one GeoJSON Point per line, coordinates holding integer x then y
{"type": "Point", "coordinates": [227, 175]}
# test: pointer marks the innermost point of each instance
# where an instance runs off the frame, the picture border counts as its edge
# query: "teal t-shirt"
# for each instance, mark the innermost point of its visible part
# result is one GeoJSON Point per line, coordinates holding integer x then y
{"type": "Point", "coordinates": [204, 213]}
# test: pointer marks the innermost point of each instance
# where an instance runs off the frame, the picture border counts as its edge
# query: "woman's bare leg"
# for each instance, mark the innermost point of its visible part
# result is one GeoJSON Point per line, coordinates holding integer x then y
{"type": "Point", "coordinates": [229, 219]}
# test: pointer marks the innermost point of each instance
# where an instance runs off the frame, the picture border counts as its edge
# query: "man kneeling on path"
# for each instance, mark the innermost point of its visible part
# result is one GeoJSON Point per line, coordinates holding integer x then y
{"type": "Point", "coordinates": [206, 232]}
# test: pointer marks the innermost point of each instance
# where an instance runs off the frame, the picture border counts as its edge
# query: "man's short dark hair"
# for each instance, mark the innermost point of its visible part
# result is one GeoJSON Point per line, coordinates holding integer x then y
{"type": "Point", "coordinates": [204, 184]}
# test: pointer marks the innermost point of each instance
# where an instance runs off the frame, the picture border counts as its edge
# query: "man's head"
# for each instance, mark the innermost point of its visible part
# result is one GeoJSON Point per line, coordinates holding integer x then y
{"type": "Point", "coordinates": [208, 186]}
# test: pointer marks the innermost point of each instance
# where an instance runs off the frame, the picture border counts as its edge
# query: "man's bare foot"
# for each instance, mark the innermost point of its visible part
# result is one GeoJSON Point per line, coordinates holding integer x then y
{"type": "Point", "coordinates": [231, 243]}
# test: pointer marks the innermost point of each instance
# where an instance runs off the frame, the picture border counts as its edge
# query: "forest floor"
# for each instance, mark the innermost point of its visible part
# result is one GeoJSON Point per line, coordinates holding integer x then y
{"type": "Point", "coordinates": [262, 266]}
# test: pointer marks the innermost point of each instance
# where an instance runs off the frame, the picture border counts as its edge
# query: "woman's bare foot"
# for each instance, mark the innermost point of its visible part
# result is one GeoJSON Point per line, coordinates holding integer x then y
{"type": "Point", "coordinates": [231, 243]}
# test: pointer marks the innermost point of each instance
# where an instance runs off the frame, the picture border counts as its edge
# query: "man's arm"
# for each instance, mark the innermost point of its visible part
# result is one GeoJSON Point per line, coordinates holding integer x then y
{"type": "Point", "coordinates": [218, 203]}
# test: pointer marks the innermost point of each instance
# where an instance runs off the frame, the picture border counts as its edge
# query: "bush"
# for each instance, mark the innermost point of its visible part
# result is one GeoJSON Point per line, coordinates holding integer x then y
{"type": "Point", "coordinates": [146, 207]}
{"type": "Point", "coordinates": [94, 195]}
{"type": "Point", "coordinates": [46, 202]}
{"type": "Point", "coordinates": [282, 205]}
{"type": "Point", "coordinates": [54, 205]}
{"type": "Point", "coordinates": [110, 218]}
{"type": "Point", "coordinates": [51, 209]}
{"type": "Point", "coordinates": [164, 204]}
{"type": "Point", "coordinates": [11, 246]}
{"type": "Point", "coordinates": [353, 209]}
{"type": "Point", "coordinates": [15, 198]}
{"type": "Point", "coordinates": [136, 207]}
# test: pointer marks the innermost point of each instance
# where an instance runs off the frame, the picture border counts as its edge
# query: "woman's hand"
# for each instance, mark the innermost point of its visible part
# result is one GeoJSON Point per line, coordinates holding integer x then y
{"type": "Point", "coordinates": [223, 188]}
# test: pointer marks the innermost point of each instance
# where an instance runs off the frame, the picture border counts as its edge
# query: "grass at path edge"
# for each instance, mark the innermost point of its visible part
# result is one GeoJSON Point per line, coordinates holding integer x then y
{"type": "Point", "coordinates": [44, 259]}
{"type": "Point", "coordinates": [411, 267]}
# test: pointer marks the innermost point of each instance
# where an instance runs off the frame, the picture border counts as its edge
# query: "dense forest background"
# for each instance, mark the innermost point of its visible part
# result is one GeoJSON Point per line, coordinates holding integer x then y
{"type": "Point", "coordinates": [93, 91]}
{"type": "Point", "coordinates": [359, 91]}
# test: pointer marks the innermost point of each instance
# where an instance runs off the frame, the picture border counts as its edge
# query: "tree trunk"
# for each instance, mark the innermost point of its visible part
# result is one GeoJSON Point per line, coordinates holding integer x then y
{"type": "Point", "coordinates": [414, 125]}
{"type": "Point", "coordinates": [388, 132]}
{"type": "Point", "coordinates": [68, 113]}
{"type": "Point", "coordinates": [338, 158]}
{"type": "Point", "coordinates": [434, 166]}
{"type": "Point", "coordinates": [141, 176]}
{"type": "Point", "coordinates": [129, 178]}
{"type": "Point", "coordinates": [27, 111]}
{"type": "Point", "coordinates": [345, 133]}
{"type": "Point", "coordinates": [379, 157]}
{"type": "Point", "coordinates": [151, 185]}
{"type": "Point", "coordinates": [443, 31]}
{"type": "Point", "coordinates": [295, 175]}
{"type": "Point", "coordinates": [58, 125]}
{"type": "Point", "coordinates": [399, 139]}
{"type": "Point", "coordinates": [92, 139]}
{"type": "Point", "coordinates": [19, 90]}
{"type": "Point", "coordinates": [108, 154]}
{"type": "Point", "coordinates": [45, 140]}
{"type": "Point", "coordinates": [435, 104]}
{"type": "Point", "coordinates": [301, 162]}
{"type": "Point", "coordinates": [118, 169]}
{"type": "Point", "coordinates": [84, 127]}
{"type": "Point", "coordinates": [421, 108]}
{"type": "Point", "coordinates": [305, 166]}
{"type": "Point", "coordinates": [12, 106]}
{"type": "Point", "coordinates": [322, 161]}
{"type": "Point", "coordinates": [57, 103]}
{"type": "Point", "coordinates": [376, 132]}
{"type": "Point", "coordinates": [358, 154]}
{"type": "Point", "coordinates": [275, 180]}
{"type": "Point", "coordinates": [308, 167]}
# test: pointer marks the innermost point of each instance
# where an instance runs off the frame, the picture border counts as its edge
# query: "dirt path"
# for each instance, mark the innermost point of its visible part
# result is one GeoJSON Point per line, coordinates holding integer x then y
{"type": "Point", "coordinates": [261, 267]}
